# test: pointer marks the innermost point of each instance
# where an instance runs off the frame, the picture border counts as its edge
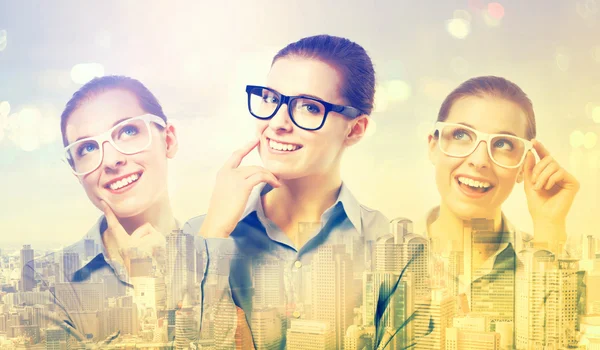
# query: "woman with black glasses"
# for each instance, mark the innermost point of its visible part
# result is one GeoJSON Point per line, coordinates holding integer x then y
{"type": "Point", "coordinates": [300, 243]}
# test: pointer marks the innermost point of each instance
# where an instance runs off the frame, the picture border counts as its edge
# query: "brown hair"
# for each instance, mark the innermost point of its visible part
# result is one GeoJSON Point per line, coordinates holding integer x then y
{"type": "Point", "coordinates": [491, 86]}
{"type": "Point", "coordinates": [351, 59]}
{"type": "Point", "coordinates": [148, 102]}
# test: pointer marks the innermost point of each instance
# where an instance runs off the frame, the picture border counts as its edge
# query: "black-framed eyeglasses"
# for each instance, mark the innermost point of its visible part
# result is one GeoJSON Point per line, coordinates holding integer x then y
{"type": "Point", "coordinates": [307, 113]}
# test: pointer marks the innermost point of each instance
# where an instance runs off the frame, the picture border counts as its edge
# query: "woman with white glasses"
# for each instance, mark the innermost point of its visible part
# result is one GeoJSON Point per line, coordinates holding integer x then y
{"type": "Point", "coordinates": [117, 143]}
{"type": "Point", "coordinates": [482, 145]}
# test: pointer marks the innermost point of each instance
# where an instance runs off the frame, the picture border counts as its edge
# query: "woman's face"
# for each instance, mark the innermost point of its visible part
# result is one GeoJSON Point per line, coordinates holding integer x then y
{"type": "Point", "coordinates": [312, 152]}
{"type": "Point", "coordinates": [490, 115]}
{"type": "Point", "coordinates": [97, 115]}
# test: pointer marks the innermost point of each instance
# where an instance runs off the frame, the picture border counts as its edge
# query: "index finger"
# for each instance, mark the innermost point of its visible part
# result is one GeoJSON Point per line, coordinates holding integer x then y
{"type": "Point", "coordinates": [541, 150]}
{"type": "Point", "coordinates": [236, 158]}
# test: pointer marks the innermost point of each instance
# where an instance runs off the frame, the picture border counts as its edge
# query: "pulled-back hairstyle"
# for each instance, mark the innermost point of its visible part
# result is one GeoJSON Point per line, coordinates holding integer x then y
{"type": "Point", "coordinates": [495, 87]}
{"type": "Point", "coordinates": [350, 59]}
{"type": "Point", "coordinates": [147, 101]}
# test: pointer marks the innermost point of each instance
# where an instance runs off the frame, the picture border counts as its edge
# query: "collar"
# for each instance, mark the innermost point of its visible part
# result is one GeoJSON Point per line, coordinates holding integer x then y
{"type": "Point", "coordinates": [345, 199]}
{"type": "Point", "coordinates": [101, 259]}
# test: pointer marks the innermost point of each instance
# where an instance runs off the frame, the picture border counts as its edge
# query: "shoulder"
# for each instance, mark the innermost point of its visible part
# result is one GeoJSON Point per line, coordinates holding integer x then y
{"type": "Point", "coordinates": [374, 223]}
{"type": "Point", "coordinates": [192, 226]}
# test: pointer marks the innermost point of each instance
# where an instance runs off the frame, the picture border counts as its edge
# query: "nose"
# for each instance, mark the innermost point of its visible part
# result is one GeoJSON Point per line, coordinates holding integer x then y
{"type": "Point", "coordinates": [281, 121]}
{"type": "Point", "coordinates": [479, 158]}
{"type": "Point", "coordinates": [112, 158]}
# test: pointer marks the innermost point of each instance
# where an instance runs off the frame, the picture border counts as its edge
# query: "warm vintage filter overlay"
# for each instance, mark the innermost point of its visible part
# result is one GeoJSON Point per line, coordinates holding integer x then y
{"type": "Point", "coordinates": [198, 58]}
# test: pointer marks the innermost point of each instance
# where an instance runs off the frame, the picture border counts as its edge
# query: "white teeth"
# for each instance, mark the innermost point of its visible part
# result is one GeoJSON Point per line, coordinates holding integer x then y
{"type": "Point", "coordinates": [474, 183]}
{"type": "Point", "coordinates": [282, 146]}
{"type": "Point", "coordinates": [124, 182]}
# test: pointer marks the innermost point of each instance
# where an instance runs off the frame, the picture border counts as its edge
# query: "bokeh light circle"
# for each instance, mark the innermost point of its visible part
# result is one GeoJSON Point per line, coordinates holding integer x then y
{"type": "Point", "coordinates": [4, 111]}
{"type": "Point", "coordinates": [458, 28]}
{"type": "Point", "coordinates": [589, 140]}
{"type": "Point", "coordinates": [577, 138]}
{"type": "Point", "coordinates": [398, 90]}
{"type": "Point", "coordinates": [496, 10]}
{"type": "Point", "coordinates": [596, 114]}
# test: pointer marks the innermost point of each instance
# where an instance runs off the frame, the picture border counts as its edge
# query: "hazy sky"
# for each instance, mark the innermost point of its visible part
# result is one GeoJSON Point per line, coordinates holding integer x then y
{"type": "Point", "coordinates": [197, 57]}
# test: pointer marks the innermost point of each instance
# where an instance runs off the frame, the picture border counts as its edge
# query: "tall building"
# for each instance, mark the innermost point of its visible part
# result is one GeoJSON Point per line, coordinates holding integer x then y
{"type": "Point", "coordinates": [56, 339]}
{"type": "Point", "coordinates": [150, 294]}
{"type": "Point", "coordinates": [359, 337]}
{"type": "Point", "coordinates": [70, 265]}
{"type": "Point", "coordinates": [268, 279]}
{"type": "Point", "coordinates": [457, 339]}
{"type": "Point", "coordinates": [591, 243]}
{"type": "Point", "coordinates": [89, 247]}
{"type": "Point", "coordinates": [181, 268]}
{"type": "Point", "coordinates": [432, 318]}
{"type": "Point", "coordinates": [27, 272]}
{"type": "Point", "coordinates": [267, 328]}
{"type": "Point", "coordinates": [225, 321]}
{"type": "Point", "coordinates": [546, 304]}
{"type": "Point", "coordinates": [310, 335]}
{"type": "Point", "coordinates": [141, 267]}
{"type": "Point", "coordinates": [81, 296]}
{"type": "Point", "coordinates": [393, 253]}
{"type": "Point", "coordinates": [185, 325]}
{"type": "Point", "coordinates": [332, 288]}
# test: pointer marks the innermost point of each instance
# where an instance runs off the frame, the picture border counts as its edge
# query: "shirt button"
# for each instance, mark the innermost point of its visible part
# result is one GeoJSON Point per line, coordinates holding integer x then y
{"type": "Point", "coordinates": [296, 314]}
{"type": "Point", "coordinates": [298, 264]}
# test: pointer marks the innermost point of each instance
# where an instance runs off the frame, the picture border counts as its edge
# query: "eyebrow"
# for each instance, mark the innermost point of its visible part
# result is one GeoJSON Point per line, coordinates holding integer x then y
{"type": "Point", "coordinates": [115, 123]}
{"type": "Point", "coordinates": [299, 95]}
{"type": "Point", "coordinates": [499, 132]}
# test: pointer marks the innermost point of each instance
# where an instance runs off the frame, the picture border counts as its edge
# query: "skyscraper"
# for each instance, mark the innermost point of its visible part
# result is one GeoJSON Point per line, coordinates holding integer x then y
{"type": "Point", "coordinates": [310, 335]}
{"type": "Point", "coordinates": [70, 265]}
{"type": "Point", "coordinates": [546, 305]}
{"type": "Point", "coordinates": [332, 280]}
{"type": "Point", "coordinates": [27, 272]}
{"type": "Point", "coordinates": [181, 269]}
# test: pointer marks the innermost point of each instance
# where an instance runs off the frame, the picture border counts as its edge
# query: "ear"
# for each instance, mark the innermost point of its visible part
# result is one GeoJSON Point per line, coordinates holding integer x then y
{"type": "Point", "coordinates": [171, 140]}
{"type": "Point", "coordinates": [432, 145]}
{"type": "Point", "coordinates": [357, 130]}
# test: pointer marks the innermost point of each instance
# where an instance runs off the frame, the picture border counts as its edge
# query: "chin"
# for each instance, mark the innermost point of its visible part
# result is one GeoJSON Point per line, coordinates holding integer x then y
{"type": "Point", "coordinates": [467, 211]}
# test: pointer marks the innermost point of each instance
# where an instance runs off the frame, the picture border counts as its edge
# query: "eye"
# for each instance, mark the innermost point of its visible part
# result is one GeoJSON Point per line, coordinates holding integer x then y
{"type": "Point", "coordinates": [85, 148]}
{"type": "Point", "coordinates": [504, 144]}
{"type": "Point", "coordinates": [461, 135]}
{"type": "Point", "coordinates": [311, 108]}
{"type": "Point", "coordinates": [129, 130]}
{"type": "Point", "coordinates": [270, 98]}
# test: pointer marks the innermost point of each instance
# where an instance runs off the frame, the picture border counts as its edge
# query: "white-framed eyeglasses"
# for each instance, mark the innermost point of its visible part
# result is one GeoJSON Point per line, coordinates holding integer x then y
{"type": "Point", "coordinates": [129, 136]}
{"type": "Point", "coordinates": [458, 140]}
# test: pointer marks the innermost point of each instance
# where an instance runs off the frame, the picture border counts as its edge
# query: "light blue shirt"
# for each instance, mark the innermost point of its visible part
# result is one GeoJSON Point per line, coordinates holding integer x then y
{"type": "Point", "coordinates": [284, 290]}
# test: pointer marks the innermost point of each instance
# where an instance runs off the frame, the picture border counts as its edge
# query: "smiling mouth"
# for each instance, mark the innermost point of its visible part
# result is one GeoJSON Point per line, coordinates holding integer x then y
{"type": "Point", "coordinates": [124, 182]}
{"type": "Point", "coordinates": [282, 147]}
{"type": "Point", "coordinates": [474, 185]}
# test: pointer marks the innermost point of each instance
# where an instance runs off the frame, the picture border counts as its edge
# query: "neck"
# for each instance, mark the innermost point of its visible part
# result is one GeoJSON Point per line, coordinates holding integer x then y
{"type": "Point", "coordinates": [450, 227]}
{"type": "Point", "coordinates": [301, 200]}
{"type": "Point", "coordinates": [160, 216]}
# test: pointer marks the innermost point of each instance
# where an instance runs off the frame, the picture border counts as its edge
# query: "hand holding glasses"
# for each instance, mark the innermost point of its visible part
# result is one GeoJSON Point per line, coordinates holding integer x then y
{"type": "Point", "coordinates": [129, 136]}
{"type": "Point", "coordinates": [306, 112]}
